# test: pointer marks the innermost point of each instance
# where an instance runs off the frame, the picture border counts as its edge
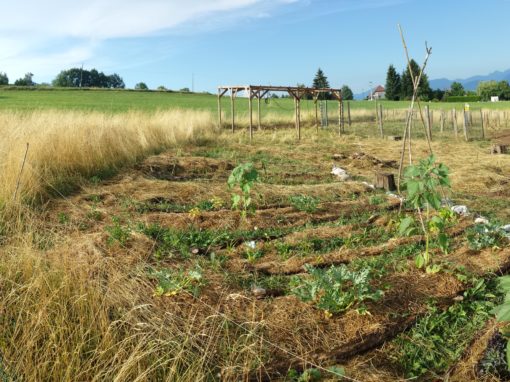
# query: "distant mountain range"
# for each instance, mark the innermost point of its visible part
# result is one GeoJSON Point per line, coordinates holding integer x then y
{"type": "Point", "coordinates": [469, 83]}
{"type": "Point", "coordinates": [472, 82]}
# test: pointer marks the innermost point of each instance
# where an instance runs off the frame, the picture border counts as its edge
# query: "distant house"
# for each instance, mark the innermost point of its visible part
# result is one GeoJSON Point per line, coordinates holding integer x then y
{"type": "Point", "coordinates": [379, 92]}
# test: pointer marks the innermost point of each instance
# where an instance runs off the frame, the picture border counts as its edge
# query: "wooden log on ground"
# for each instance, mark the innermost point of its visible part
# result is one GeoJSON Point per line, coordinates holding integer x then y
{"type": "Point", "coordinates": [499, 149]}
{"type": "Point", "coordinates": [385, 181]}
{"type": "Point", "coordinates": [394, 137]}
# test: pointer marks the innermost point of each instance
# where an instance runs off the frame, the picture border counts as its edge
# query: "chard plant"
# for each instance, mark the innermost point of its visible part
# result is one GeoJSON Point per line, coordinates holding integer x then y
{"type": "Point", "coordinates": [243, 176]}
{"type": "Point", "coordinates": [336, 289]}
{"type": "Point", "coordinates": [422, 183]}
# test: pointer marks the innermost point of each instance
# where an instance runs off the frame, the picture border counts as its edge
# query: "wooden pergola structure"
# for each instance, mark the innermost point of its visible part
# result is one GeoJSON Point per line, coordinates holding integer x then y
{"type": "Point", "coordinates": [259, 92]}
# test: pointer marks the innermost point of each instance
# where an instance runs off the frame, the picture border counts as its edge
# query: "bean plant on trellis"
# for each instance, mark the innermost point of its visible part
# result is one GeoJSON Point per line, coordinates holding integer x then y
{"type": "Point", "coordinates": [422, 183]}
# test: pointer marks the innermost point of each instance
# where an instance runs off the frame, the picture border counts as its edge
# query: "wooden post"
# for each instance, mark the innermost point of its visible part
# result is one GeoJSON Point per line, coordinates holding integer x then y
{"type": "Point", "coordinates": [342, 116]}
{"type": "Point", "coordinates": [339, 118]}
{"type": "Point", "coordinates": [250, 112]}
{"type": "Point", "coordinates": [381, 120]}
{"type": "Point", "coordinates": [299, 118]}
{"type": "Point", "coordinates": [442, 118]}
{"type": "Point", "coordinates": [316, 114]}
{"type": "Point", "coordinates": [258, 109]}
{"type": "Point", "coordinates": [454, 122]}
{"type": "Point", "coordinates": [428, 122]}
{"type": "Point", "coordinates": [482, 123]}
{"type": "Point", "coordinates": [232, 107]}
{"type": "Point", "coordinates": [219, 108]}
{"type": "Point", "coordinates": [464, 125]}
{"type": "Point", "coordinates": [349, 122]}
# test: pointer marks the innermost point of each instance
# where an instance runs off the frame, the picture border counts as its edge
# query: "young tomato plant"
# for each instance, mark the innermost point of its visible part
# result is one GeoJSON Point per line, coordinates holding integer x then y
{"type": "Point", "coordinates": [244, 176]}
{"type": "Point", "coordinates": [422, 183]}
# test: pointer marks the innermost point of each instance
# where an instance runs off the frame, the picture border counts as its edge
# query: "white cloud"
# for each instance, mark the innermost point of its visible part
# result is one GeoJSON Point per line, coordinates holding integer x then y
{"type": "Point", "coordinates": [29, 28]}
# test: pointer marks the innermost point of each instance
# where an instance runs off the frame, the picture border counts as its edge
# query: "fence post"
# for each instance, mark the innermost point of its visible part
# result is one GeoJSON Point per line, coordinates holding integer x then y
{"type": "Point", "coordinates": [464, 125]}
{"type": "Point", "coordinates": [381, 120]}
{"type": "Point", "coordinates": [482, 122]}
{"type": "Point", "coordinates": [427, 120]}
{"type": "Point", "coordinates": [454, 122]}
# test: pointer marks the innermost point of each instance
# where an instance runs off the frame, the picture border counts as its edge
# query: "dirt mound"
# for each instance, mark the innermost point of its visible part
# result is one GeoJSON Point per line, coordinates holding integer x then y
{"type": "Point", "coordinates": [502, 138]}
{"type": "Point", "coordinates": [169, 167]}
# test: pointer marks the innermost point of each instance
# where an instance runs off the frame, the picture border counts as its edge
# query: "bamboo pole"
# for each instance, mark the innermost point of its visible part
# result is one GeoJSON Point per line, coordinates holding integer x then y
{"type": "Point", "coordinates": [428, 122]}
{"type": "Point", "coordinates": [316, 116]}
{"type": "Point", "coordinates": [442, 119]}
{"type": "Point", "coordinates": [299, 118]}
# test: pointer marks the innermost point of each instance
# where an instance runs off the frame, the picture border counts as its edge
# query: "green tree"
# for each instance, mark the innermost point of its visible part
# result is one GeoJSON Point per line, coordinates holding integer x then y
{"type": "Point", "coordinates": [114, 81]}
{"type": "Point", "coordinates": [321, 81]}
{"type": "Point", "coordinates": [78, 77]}
{"type": "Point", "coordinates": [424, 91]}
{"type": "Point", "coordinates": [4, 80]}
{"type": "Point", "coordinates": [347, 94]}
{"type": "Point", "coordinates": [161, 88]}
{"type": "Point", "coordinates": [488, 89]}
{"type": "Point", "coordinates": [141, 86]}
{"type": "Point", "coordinates": [25, 81]}
{"type": "Point", "coordinates": [456, 89]}
{"type": "Point", "coordinates": [393, 84]}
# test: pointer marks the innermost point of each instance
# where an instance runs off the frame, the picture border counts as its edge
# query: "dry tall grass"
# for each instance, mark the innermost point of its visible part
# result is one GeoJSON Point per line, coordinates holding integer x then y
{"type": "Point", "coordinates": [65, 146]}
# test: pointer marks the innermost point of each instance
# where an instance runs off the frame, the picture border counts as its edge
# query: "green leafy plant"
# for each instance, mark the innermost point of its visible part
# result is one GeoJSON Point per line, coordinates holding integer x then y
{"type": "Point", "coordinates": [422, 183]}
{"type": "Point", "coordinates": [118, 232]}
{"type": "Point", "coordinates": [483, 236]}
{"type": "Point", "coordinates": [502, 313]}
{"type": "Point", "coordinates": [172, 282]}
{"type": "Point", "coordinates": [304, 203]}
{"type": "Point", "coordinates": [243, 176]}
{"type": "Point", "coordinates": [439, 338]}
{"type": "Point", "coordinates": [336, 289]}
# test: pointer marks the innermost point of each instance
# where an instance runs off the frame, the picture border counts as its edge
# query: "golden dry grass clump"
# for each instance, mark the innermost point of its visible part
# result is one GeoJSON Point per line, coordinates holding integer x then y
{"type": "Point", "coordinates": [66, 145]}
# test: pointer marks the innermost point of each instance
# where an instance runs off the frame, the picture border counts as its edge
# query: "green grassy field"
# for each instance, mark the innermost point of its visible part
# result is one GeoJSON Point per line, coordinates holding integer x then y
{"type": "Point", "coordinates": [116, 101]}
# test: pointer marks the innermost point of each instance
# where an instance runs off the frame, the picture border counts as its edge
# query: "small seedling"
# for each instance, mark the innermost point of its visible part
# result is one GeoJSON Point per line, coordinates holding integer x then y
{"type": "Point", "coordinates": [172, 282]}
{"type": "Point", "coordinates": [304, 203]}
{"type": "Point", "coordinates": [244, 176]}
{"type": "Point", "coordinates": [118, 232]}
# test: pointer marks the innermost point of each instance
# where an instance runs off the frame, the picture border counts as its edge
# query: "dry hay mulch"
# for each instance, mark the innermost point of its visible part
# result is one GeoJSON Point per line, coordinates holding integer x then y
{"type": "Point", "coordinates": [296, 264]}
{"type": "Point", "coordinates": [301, 330]}
{"type": "Point", "coordinates": [167, 166]}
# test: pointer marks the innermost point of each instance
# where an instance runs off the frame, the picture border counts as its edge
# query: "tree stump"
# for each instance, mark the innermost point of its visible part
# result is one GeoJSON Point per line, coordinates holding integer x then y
{"type": "Point", "coordinates": [385, 181]}
{"type": "Point", "coordinates": [499, 149]}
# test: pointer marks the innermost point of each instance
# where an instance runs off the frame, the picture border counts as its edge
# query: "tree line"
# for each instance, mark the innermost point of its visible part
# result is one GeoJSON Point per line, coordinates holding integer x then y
{"type": "Point", "coordinates": [400, 87]}
{"type": "Point", "coordinates": [73, 78]}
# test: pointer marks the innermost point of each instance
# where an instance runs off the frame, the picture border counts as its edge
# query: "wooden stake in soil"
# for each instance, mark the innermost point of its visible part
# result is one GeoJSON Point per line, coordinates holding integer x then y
{"type": "Point", "coordinates": [381, 130]}
{"type": "Point", "coordinates": [464, 125]}
{"type": "Point", "coordinates": [19, 175]}
{"type": "Point", "coordinates": [442, 118]}
{"type": "Point", "coordinates": [232, 107]}
{"type": "Point", "coordinates": [454, 122]}
{"type": "Point", "coordinates": [482, 123]}
{"type": "Point", "coordinates": [349, 113]}
{"type": "Point", "coordinates": [250, 112]}
{"type": "Point", "coordinates": [428, 122]}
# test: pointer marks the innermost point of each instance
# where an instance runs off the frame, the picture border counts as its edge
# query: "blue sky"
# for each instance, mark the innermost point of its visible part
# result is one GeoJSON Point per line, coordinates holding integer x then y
{"type": "Point", "coordinates": [278, 42]}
